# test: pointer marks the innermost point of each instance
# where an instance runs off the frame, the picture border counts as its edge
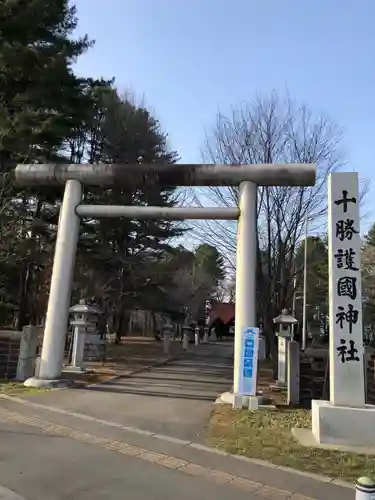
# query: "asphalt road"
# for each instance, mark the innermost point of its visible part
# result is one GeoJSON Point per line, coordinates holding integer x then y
{"type": "Point", "coordinates": [41, 466]}
{"type": "Point", "coordinates": [174, 399]}
{"type": "Point", "coordinates": [106, 442]}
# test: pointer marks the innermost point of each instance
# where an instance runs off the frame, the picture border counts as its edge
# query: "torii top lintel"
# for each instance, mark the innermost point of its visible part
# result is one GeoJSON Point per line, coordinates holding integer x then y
{"type": "Point", "coordinates": [104, 175]}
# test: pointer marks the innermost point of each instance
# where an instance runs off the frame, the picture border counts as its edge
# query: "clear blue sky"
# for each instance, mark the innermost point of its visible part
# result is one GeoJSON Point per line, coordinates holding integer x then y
{"type": "Point", "coordinates": [189, 57]}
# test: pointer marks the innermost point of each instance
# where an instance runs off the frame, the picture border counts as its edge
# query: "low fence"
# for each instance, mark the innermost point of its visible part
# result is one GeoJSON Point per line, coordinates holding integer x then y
{"type": "Point", "coordinates": [314, 376]}
{"type": "Point", "coordinates": [370, 378]}
{"type": "Point", "coordinates": [10, 342]}
{"type": "Point", "coordinates": [18, 352]}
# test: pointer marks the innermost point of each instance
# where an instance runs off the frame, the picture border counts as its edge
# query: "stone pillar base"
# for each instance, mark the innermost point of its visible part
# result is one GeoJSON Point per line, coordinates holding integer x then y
{"type": "Point", "coordinates": [279, 386]}
{"type": "Point", "coordinates": [239, 401]}
{"type": "Point", "coordinates": [249, 402]}
{"type": "Point", "coordinates": [343, 425]}
{"type": "Point", "coordinates": [41, 383]}
{"type": "Point", "coordinates": [74, 369]}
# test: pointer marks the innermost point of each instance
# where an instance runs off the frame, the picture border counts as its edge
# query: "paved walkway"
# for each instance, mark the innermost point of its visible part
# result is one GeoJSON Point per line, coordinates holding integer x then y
{"type": "Point", "coordinates": [44, 464]}
{"type": "Point", "coordinates": [174, 399]}
{"type": "Point", "coordinates": [75, 444]}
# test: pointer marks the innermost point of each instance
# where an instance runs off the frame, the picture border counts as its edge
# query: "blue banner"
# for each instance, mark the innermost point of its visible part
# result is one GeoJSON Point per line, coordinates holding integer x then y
{"type": "Point", "coordinates": [250, 342]}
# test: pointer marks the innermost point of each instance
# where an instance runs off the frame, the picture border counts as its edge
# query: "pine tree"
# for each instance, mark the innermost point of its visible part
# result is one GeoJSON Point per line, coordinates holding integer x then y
{"type": "Point", "coordinates": [41, 103]}
{"type": "Point", "coordinates": [121, 257]}
{"type": "Point", "coordinates": [211, 261]}
{"type": "Point", "coordinates": [40, 97]}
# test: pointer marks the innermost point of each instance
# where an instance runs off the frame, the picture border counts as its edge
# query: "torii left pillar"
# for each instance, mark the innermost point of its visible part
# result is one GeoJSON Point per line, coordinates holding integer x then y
{"type": "Point", "coordinates": [59, 297]}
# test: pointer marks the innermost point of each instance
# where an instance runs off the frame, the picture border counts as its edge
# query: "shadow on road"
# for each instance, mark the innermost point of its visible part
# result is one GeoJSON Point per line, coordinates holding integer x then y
{"type": "Point", "coordinates": [174, 399]}
{"type": "Point", "coordinates": [158, 394]}
{"type": "Point", "coordinates": [202, 375]}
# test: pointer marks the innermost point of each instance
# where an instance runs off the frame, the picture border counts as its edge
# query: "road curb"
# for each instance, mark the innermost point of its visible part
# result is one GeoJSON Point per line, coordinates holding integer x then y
{"type": "Point", "coordinates": [7, 494]}
{"type": "Point", "coordinates": [185, 466]}
{"type": "Point", "coordinates": [189, 444]}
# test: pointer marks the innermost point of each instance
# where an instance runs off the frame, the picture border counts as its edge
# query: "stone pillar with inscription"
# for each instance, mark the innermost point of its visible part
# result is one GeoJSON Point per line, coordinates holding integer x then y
{"type": "Point", "coordinates": [347, 383]}
{"type": "Point", "coordinates": [344, 419]}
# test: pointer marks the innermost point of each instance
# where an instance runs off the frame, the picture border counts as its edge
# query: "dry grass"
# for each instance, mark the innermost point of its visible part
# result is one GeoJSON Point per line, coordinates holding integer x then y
{"type": "Point", "coordinates": [132, 354]}
{"type": "Point", "coordinates": [12, 388]}
{"type": "Point", "coordinates": [88, 378]}
{"type": "Point", "coordinates": [267, 435]}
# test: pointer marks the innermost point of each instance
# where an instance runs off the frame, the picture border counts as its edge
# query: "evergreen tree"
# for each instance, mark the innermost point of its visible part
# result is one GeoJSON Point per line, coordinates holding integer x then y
{"type": "Point", "coordinates": [121, 256]}
{"type": "Point", "coordinates": [211, 261]}
{"type": "Point", "coordinates": [41, 99]}
{"type": "Point", "coordinates": [42, 102]}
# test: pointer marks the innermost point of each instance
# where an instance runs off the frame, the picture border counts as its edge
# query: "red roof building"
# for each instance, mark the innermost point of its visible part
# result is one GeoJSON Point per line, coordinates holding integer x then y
{"type": "Point", "coordinates": [222, 310]}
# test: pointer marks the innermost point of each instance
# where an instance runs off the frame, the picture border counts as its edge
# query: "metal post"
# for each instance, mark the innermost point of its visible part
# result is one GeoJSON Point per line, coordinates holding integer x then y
{"type": "Point", "coordinates": [294, 297]}
{"type": "Point", "coordinates": [365, 489]}
{"type": "Point", "coordinates": [246, 264]}
{"type": "Point", "coordinates": [294, 305]}
{"type": "Point", "coordinates": [60, 290]}
{"type": "Point", "coordinates": [304, 322]}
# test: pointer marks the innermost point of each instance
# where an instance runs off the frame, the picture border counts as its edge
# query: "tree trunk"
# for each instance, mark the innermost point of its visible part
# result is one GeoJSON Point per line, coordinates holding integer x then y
{"type": "Point", "coordinates": [24, 286]}
{"type": "Point", "coordinates": [271, 345]}
{"type": "Point", "coordinates": [118, 322]}
{"type": "Point", "coordinates": [24, 314]}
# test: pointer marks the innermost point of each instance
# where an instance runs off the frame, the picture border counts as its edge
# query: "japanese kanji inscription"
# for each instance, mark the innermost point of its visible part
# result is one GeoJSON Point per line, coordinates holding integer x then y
{"type": "Point", "coordinates": [345, 294]}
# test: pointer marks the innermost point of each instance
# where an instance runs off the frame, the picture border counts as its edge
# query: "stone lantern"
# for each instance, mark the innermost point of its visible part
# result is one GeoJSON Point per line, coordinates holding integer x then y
{"type": "Point", "coordinates": [285, 324]}
{"type": "Point", "coordinates": [167, 331]}
{"type": "Point", "coordinates": [187, 331]}
{"type": "Point", "coordinates": [84, 321]}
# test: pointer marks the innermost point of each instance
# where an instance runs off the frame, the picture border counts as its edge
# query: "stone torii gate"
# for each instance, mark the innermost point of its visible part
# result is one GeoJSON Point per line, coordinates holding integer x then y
{"type": "Point", "coordinates": [73, 177]}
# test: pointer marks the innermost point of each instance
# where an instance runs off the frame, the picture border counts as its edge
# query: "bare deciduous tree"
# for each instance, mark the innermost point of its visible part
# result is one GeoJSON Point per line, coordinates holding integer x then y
{"type": "Point", "coordinates": [368, 289]}
{"type": "Point", "coordinates": [272, 130]}
{"type": "Point", "coordinates": [191, 288]}
{"type": "Point", "coordinates": [225, 291]}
